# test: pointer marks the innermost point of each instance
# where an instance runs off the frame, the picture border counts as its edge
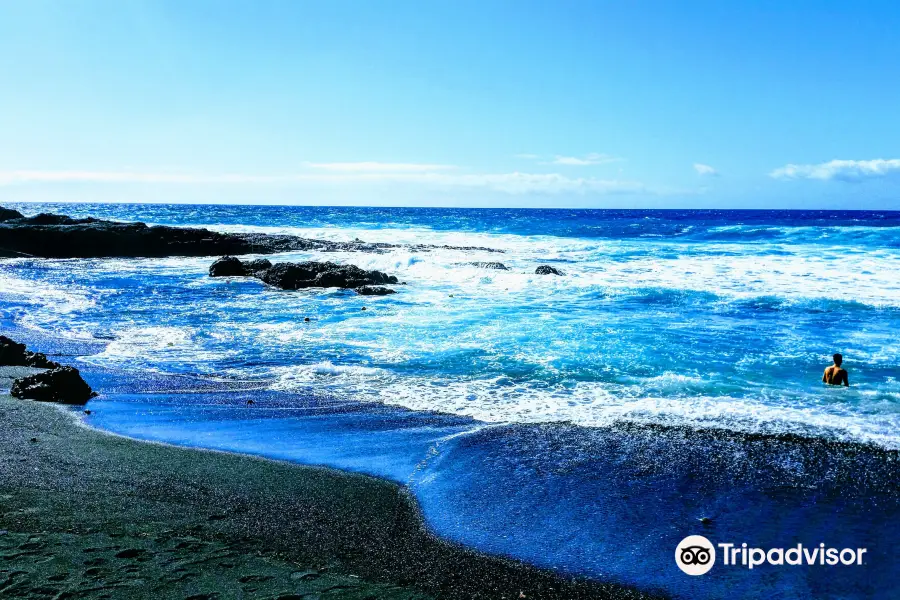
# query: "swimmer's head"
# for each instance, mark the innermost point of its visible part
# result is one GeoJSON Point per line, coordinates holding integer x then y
{"type": "Point", "coordinates": [838, 359]}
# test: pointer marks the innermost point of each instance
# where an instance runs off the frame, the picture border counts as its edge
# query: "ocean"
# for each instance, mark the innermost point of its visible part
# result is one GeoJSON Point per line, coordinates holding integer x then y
{"type": "Point", "coordinates": [582, 422]}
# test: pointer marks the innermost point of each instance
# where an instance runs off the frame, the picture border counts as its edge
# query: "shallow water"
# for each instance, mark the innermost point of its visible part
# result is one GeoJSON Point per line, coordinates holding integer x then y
{"type": "Point", "coordinates": [719, 320]}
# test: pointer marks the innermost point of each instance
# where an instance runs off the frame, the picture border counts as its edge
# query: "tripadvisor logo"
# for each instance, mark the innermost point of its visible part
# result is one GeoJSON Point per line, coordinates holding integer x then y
{"type": "Point", "coordinates": [696, 555]}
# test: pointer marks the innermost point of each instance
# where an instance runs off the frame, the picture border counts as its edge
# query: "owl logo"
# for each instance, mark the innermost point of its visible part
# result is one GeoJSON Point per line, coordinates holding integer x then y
{"type": "Point", "coordinates": [695, 555]}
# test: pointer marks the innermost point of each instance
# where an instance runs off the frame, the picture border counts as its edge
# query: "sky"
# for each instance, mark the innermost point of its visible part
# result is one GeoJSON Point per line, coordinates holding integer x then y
{"type": "Point", "coordinates": [655, 104]}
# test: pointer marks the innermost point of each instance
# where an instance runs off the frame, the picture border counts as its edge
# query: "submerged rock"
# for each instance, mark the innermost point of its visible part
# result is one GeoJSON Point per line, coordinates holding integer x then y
{"type": "Point", "coordinates": [14, 354]}
{"type": "Point", "coordinates": [295, 276]}
{"type": "Point", "coordinates": [62, 384]}
{"type": "Point", "coordinates": [490, 265]}
{"type": "Point", "coordinates": [547, 270]}
{"type": "Point", "coordinates": [368, 290]}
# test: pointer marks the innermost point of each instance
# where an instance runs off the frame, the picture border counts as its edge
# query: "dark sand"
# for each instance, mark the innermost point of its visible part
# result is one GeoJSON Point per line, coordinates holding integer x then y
{"type": "Point", "coordinates": [85, 514]}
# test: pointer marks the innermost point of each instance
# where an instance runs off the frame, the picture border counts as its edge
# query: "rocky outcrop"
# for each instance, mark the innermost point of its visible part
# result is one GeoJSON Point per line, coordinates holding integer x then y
{"type": "Point", "coordinates": [547, 270]}
{"type": "Point", "coordinates": [14, 354]}
{"type": "Point", "coordinates": [259, 264]}
{"type": "Point", "coordinates": [490, 265]}
{"type": "Point", "coordinates": [295, 276]}
{"type": "Point", "coordinates": [230, 266]}
{"type": "Point", "coordinates": [7, 213]}
{"type": "Point", "coordinates": [370, 290]}
{"type": "Point", "coordinates": [227, 266]}
{"type": "Point", "coordinates": [54, 236]}
{"type": "Point", "coordinates": [62, 384]}
{"type": "Point", "coordinates": [59, 236]}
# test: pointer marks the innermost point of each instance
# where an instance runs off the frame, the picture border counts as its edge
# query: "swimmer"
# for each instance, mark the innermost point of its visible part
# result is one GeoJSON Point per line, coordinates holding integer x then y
{"type": "Point", "coordinates": [835, 375]}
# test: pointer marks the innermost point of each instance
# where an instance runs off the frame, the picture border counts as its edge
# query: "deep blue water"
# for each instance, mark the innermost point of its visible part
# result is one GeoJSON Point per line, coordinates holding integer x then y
{"type": "Point", "coordinates": [703, 320]}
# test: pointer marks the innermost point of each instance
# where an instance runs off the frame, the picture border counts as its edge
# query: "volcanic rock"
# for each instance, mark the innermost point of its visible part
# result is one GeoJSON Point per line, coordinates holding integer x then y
{"type": "Point", "coordinates": [368, 290]}
{"type": "Point", "coordinates": [62, 384]}
{"type": "Point", "coordinates": [7, 213]}
{"type": "Point", "coordinates": [14, 354]}
{"type": "Point", "coordinates": [547, 270]}
{"type": "Point", "coordinates": [60, 236]}
{"type": "Point", "coordinates": [294, 276]}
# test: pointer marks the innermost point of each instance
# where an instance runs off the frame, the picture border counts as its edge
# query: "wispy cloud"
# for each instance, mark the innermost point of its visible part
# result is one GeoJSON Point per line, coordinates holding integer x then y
{"type": "Point", "coordinates": [509, 183]}
{"type": "Point", "coordinates": [593, 158]}
{"type": "Point", "coordinates": [705, 170]}
{"type": "Point", "coordinates": [843, 170]}
{"type": "Point", "coordinates": [378, 167]}
{"type": "Point", "coordinates": [542, 183]}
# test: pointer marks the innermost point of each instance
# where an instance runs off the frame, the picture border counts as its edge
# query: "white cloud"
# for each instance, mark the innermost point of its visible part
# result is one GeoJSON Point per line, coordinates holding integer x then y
{"type": "Point", "coordinates": [844, 170]}
{"type": "Point", "coordinates": [510, 183]}
{"type": "Point", "coordinates": [705, 170]}
{"type": "Point", "coordinates": [582, 161]}
{"type": "Point", "coordinates": [378, 167]}
{"type": "Point", "coordinates": [543, 183]}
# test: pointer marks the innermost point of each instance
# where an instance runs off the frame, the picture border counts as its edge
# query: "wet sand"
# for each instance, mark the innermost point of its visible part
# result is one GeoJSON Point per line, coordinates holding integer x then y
{"type": "Point", "coordinates": [85, 514]}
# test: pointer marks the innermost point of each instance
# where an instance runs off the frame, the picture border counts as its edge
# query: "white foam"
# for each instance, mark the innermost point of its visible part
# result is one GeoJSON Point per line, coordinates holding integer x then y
{"type": "Point", "coordinates": [483, 315]}
{"type": "Point", "coordinates": [593, 404]}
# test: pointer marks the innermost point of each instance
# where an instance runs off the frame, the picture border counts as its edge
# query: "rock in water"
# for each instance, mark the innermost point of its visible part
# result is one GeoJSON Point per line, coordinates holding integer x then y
{"type": "Point", "coordinates": [295, 276]}
{"type": "Point", "coordinates": [547, 270]}
{"type": "Point", "coordinates": [227, 266]}
{"type": "Point", "coordinates": [490, 265]}
{"type": "Point", "coordinates": [62, 384]}
{"type": "Point", "coordinates": [230, 266]}
{"type": "Point", "coordinates": [369, 290]}
{"type": "Point", "coordinates": [7, 213]}
{"type": "Point", "coordinates": [259, 264]}
{"type": "Point", "coordinates": [14, 354]}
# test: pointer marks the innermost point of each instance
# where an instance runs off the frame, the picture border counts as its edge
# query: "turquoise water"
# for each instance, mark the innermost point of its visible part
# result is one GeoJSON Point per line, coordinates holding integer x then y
{"type": "Point", "coordinates": [507, 400]}
{"type": "Point", "coordinates": [706, 318]}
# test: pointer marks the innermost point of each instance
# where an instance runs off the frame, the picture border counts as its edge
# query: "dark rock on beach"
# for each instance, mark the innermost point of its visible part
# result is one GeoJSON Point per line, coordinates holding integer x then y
{"type": "Point", "coordinates": [14, 354]}
{"type": "Point", "coordinates": [547, 270]}
{"type": "Point", "coordinates": [490, 265]}
{"type": "Point", "coordinates": [62, 384]}
{"type": "Point", "coordinates": [59, 236]}
{"type": "Point", "coordinates": [368, 290]}
{"type": "Point", "coordinates": [295, 276]}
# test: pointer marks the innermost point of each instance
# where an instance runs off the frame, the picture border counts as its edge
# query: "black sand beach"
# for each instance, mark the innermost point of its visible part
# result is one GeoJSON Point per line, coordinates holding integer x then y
{"type": "Point", "coordinates": [85, 514]}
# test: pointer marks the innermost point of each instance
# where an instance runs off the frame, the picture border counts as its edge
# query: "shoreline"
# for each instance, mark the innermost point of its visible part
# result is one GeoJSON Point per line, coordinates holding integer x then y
{"type": "Point", "coordinates": [346, 534]}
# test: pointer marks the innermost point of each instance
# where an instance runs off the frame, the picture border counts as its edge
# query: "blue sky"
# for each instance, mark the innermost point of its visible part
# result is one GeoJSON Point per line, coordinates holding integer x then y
{"type": "Point", "coordinates": [482, 103]}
